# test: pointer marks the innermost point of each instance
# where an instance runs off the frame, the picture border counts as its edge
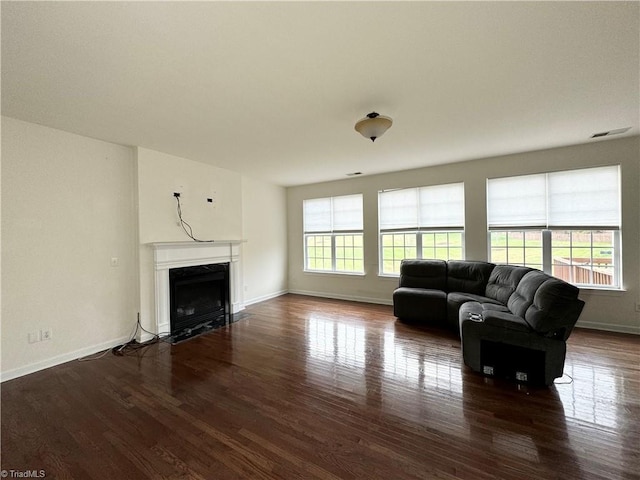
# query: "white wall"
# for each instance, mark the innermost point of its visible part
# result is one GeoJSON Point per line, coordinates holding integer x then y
{"type": "Point", "coordinates": [243, 209]}
{"type": "Point", "coordinates": [159, 175]}
{"type": "Point", "coordinates": [70, 204]}
{"type": "Point", "coordinates": [604, 309]}
{"type": "Point", "coordinates": [265, 228]}
{"type": "Point", "coordinates": [67, 209]}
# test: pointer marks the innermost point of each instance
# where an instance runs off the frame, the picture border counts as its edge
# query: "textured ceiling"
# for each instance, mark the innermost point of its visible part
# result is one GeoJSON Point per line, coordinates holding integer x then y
{"type": "Point", "coordinates": [273, 89]}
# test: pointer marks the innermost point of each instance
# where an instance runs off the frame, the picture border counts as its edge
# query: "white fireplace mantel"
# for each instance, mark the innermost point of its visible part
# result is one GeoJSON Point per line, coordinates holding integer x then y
{"type": "Point", "coordinates": [168, 255]}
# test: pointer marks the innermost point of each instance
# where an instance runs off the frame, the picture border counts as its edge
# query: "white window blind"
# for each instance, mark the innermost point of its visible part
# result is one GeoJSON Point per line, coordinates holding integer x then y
{"type": "Point", "coordinates": [517, 201]}
{"type": "Point", "coordinates": [333, 214]}
{"type": "Point", "coordinates": [398, 209]}
{"type": "Point", "coordinates": [440, 206]}
{"type": "Point", "coordinates": [587, 198]}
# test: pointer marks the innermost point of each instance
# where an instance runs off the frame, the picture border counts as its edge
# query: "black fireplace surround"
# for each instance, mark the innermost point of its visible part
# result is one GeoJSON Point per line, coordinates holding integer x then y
{"type": "Point", "coordinates": [199, 297]}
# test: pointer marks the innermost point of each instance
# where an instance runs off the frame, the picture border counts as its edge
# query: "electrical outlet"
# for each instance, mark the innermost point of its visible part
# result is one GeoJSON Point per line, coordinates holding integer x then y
{"type": "Point", "coordinates": [33, 337]}
{"type": "Point", "coordinates": [115, 261]}
{"type": "Point", "coordinates": [45, 334]}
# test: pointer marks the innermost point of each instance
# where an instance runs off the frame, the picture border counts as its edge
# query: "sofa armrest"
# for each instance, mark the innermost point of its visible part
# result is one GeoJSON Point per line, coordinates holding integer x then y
{"type": "Point", "coordinates": [505, 320]}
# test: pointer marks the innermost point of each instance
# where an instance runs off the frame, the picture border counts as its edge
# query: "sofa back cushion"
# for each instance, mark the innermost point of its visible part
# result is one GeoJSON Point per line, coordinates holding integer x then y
{"type": "Point", "coordinates": [555, 308]}
{"type": "Point", "coordinates": [431, 274]}
{"type": "Point", "coordinates": [468, 277]}
{"type": "Point", "coordinates": [522, 298]}
{"type": "Point", "coordinates": [503, 281]}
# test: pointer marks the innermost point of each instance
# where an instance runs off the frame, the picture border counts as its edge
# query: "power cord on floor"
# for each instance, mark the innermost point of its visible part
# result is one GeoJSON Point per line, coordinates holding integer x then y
{"type": "Point", "coordinates": [131, 345]}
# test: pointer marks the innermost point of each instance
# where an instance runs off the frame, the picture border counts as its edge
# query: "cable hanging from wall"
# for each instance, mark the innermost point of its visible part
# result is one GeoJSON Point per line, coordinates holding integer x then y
{"type": "Point", "coordinates": [185, 225]}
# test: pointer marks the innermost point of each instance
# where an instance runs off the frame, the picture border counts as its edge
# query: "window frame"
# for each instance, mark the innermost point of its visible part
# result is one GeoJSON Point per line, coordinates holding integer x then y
{"type": "Point", "coordinates": [418, 234]}
{"type": "Point", "coordinates": [421, 221]}
{"type": "Point", "coordinates": [333, 234]}
{"type": "Point", "coordinates": [546, 221]}
{"type": "Point", "coordinates": [547, 248]}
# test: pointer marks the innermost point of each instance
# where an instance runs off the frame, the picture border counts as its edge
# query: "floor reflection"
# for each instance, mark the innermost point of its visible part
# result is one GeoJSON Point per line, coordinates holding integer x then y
{"type": "Point", "coordinates": [336, 342]}
{"type": "Point", "coordinates": [590, 393]}
{"type": "Point", "coordinates": [415, 367]}
{"type": "Point", "coordinates": [402, 358]}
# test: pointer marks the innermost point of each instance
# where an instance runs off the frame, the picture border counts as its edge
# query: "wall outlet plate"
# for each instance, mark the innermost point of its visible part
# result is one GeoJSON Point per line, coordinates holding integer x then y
{"type": "Point", "coordinates": [45, 335]}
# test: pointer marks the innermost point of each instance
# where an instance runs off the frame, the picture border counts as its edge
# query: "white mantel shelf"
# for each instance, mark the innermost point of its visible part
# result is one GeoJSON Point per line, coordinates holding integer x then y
{"type": "Point", "coordinates": [168, 255]}
{"type": "Point", "coordinates": [157, 245]}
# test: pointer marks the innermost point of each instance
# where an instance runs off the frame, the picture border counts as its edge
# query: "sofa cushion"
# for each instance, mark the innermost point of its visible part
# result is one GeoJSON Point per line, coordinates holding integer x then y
{"type": "Point", "coordinates": [479, 311]}
{"type": "Point", "coordinates": [503, 281]}
{"type": "Point", "coordinates": [495, 307]}
{"type": "Point", "coordinates": [467, 276]}
{"type": "Point", "coordinates": [505, 320]}
{"type": "Point", "coordinates": [455, 300]}
{"type": "Point", "coordinates": [420, 304]}
{"type": "Point", "coordinates": [522, 298]}
{"type": "Point", "coordinates": [423, 274]}
{"type": "Point", "coordinates": [555, 308]}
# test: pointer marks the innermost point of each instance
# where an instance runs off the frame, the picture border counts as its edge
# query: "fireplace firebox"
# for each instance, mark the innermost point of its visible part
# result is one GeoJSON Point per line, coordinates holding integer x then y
{"type": "Point", "coordinates": [199, 298]}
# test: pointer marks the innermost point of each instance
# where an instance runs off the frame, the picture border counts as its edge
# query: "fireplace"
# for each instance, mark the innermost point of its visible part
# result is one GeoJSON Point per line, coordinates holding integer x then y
{"type": "Point", "coordinates": [199, 298]}
{"type": "Point", "coordinates": [170, 256]}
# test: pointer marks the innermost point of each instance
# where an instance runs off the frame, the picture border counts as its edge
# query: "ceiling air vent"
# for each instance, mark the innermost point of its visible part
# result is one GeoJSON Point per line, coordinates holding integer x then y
{"type": "Point", "coordinates": [610, 132]}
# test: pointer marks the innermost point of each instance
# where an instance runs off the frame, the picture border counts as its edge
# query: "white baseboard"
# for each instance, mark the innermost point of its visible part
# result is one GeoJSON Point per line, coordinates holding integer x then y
{"type": "Point", "coordinates": [265, 297]}
{"type": "Point", "coordinates": [337, 296]}
{"type": "Point", "coordinates": [59, 359]}
{"type": "Point", "coordinates": [608, 327]}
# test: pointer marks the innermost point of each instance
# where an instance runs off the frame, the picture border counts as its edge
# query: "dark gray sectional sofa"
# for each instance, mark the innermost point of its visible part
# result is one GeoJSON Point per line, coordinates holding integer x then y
{"type": "Point", "coordinates": [492, 306]}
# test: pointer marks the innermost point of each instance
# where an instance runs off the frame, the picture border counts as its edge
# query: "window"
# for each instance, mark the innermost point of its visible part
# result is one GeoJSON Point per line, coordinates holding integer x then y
{"type": "Point", "coordinates": [423, 222]}
{"type": "Point", "coordinates": [333, 234]}
{"type": "Point", "coordinates": [564, 223]}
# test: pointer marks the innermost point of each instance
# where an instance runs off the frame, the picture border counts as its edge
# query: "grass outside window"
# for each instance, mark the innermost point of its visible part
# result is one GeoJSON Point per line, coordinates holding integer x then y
{"type": "Point", "coordinates": [582, 257]}
{"type": "Point", "coordinates": [398, 246]}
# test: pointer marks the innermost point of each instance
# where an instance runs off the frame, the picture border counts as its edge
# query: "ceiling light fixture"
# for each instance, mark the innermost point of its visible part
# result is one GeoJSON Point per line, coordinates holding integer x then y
{"type": "Point", "coordinates": [373, 125]}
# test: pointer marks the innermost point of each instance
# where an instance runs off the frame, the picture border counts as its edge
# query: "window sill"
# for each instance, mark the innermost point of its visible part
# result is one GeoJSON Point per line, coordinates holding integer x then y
{"type": "Point", "coordinates": [340, 274]}
{"type": "Point", "coordinates": [607, 292]}
{"type": "Point", "coordinates": [389, 276]}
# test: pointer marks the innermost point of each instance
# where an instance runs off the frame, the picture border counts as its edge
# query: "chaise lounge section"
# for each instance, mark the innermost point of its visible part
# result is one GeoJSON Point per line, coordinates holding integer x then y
{"type": "Point", "coordinates": [521, 312]}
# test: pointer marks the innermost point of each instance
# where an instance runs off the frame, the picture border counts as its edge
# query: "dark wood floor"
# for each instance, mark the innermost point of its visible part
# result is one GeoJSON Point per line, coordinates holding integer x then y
{"type": "Point", "coordinates": [312, 388]}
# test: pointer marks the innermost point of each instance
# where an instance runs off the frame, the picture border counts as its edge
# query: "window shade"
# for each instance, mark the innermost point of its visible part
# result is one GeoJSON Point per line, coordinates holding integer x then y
{"type": "Point", "coordinates": [398, 209]}
{"type": "Point", "coordinates": [442, 206]}
{"type": "Point", "coordinates": [438, 206]}
{"type": "Point", "coordinates": [585, 198]}
{"type": "Point", "coordinates": [517, 201]}
{"type": "Point", "coordinates": [331, 214]}
{"type": "Point", "coordinates": [317, 215]}
{"type": "Point", "coordinates": [347, 212]}
{"type": "Point", "coordinates": [588, 198]}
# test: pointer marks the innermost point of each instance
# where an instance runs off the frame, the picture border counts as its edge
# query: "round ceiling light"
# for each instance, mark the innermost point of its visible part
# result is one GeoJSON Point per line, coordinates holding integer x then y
{"type": "Point", "coordinates": [373, 125]}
